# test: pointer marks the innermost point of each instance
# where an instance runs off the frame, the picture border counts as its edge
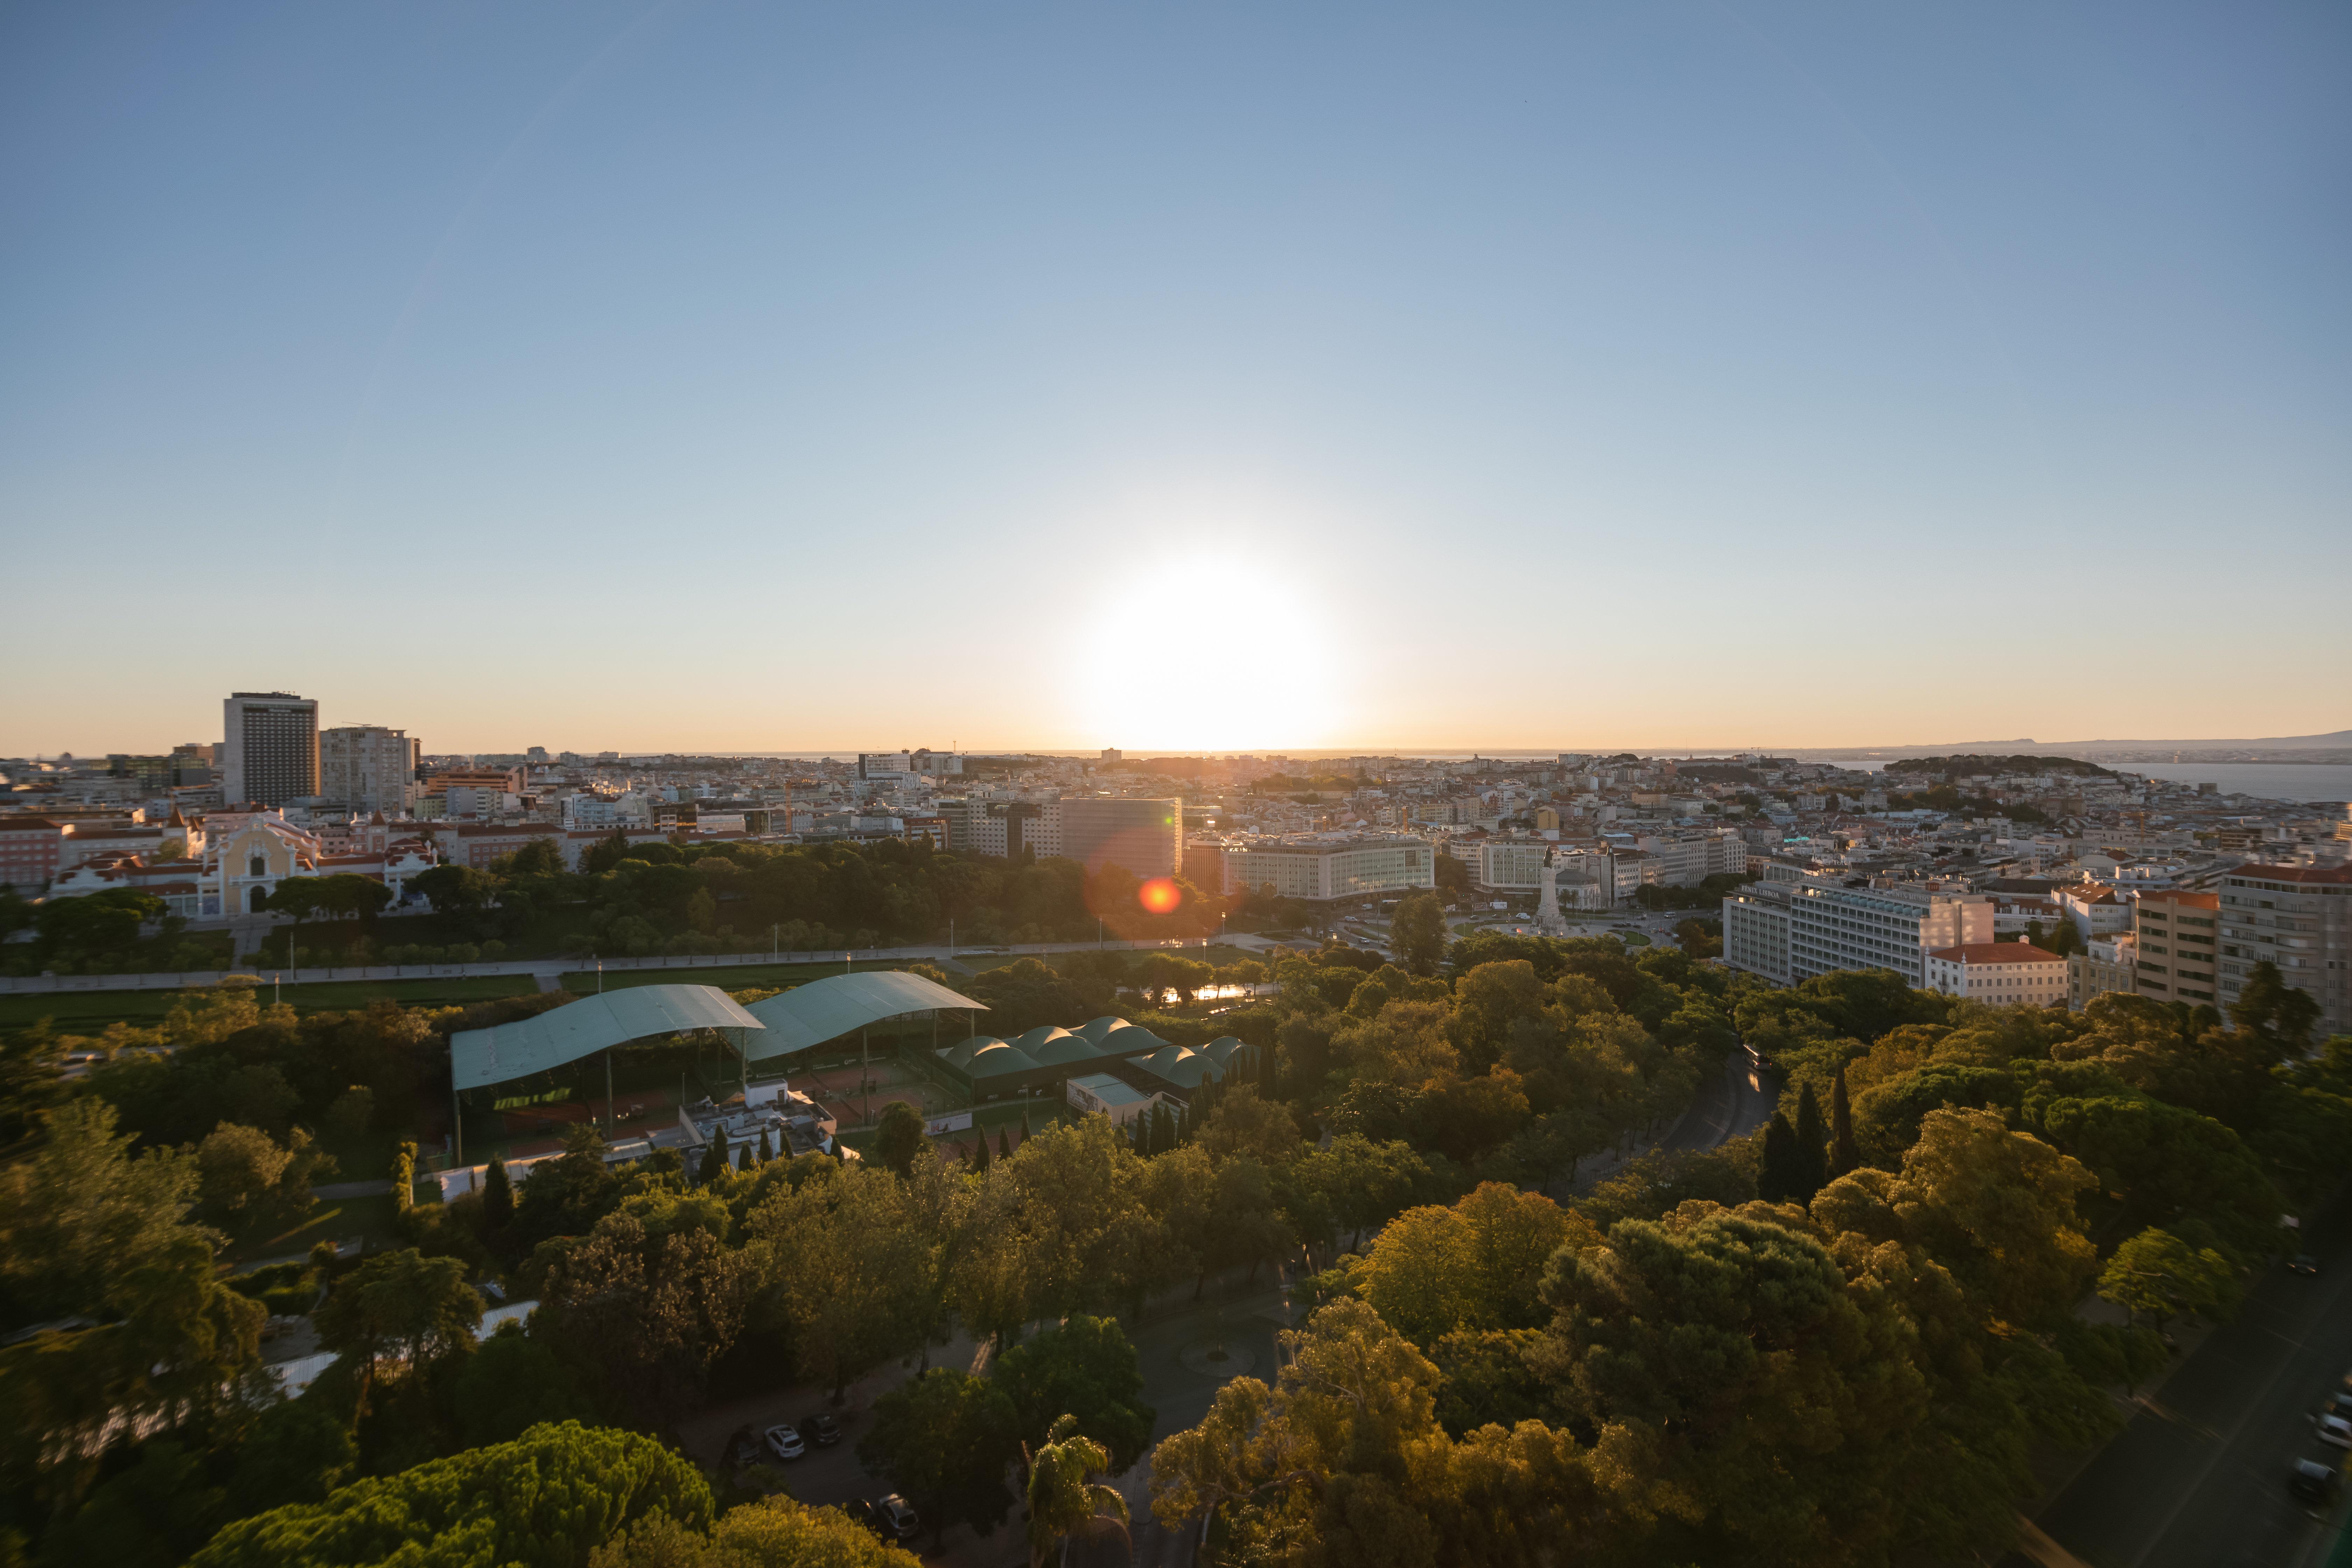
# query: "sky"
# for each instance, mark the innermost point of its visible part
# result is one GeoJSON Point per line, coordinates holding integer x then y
{"type": "Point", "coordinates": [776, 377]}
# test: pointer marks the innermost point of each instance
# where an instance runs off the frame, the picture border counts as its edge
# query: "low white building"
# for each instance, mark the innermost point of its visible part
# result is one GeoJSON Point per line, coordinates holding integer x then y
{"type": "Point", "coordinates": [1099, 1094]}
{"type": "Point", "coordinates": [1998, 972]}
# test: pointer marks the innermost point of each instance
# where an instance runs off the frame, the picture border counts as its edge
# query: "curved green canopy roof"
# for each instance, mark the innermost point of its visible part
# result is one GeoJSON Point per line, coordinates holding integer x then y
{"type": "Point", "coordinates": [827, 1010]}
{"type": "Point", "coordinates": [997, 1060]}
{"type": "Point", "coordinates": [1056, 1047]}
{"type": "Point", "coordinates": [1129, 1040]}
{"type": "Point", "coordinates": [1181, 1066]}
{"type": "Point", "coordinates": [508, 1051]}
{"type": "Point", "coordinates": [960, 1055]}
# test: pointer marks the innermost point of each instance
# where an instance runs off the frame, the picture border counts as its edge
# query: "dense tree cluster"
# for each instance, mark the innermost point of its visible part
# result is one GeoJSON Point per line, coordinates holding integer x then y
{"type": "Point", "coordinates": [113, 932]}
{"type": "Point", "coordinates": [635, 899]}
{"type": "Point", "coordinates": [1836, 1343]}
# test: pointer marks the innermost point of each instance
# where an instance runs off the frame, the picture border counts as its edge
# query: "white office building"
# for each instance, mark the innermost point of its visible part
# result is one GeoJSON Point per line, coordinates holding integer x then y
{"type": "Point", "coordinates": [1788, 932]}
{"type": "Point", "coordinates": [1337, 867]}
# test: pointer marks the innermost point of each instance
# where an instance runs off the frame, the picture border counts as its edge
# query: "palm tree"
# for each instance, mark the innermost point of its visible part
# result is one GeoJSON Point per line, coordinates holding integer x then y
{"type": "Point", "coordinates": [1061, 1498]}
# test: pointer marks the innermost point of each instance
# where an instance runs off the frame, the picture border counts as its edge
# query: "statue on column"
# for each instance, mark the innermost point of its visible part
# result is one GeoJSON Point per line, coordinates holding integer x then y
{"type": "Point", "coordinates": [1548, 919]}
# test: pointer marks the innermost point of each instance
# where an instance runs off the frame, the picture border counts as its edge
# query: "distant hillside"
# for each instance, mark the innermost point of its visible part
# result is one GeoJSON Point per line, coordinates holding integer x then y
{"type": "Point", "coordinates": [1965, 764]}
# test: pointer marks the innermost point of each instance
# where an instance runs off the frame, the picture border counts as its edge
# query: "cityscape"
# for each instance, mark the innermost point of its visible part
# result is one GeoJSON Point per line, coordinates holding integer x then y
{"type": "Point", "coordinates": [1175, 787]}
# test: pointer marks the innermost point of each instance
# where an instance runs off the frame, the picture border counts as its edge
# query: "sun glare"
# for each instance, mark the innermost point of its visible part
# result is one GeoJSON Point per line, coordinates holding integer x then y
{"type": "Point", "coordinates": [1159, 895]}
{"type": "Point", "coordinates": [1224, 656]}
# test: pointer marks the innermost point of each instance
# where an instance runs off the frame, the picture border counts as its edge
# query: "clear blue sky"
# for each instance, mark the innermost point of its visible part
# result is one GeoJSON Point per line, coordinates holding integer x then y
{"type": "Point", "coordinates": [772, 376]}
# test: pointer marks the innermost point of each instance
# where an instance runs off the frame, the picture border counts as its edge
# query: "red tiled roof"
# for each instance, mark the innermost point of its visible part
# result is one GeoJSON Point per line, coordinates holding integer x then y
{"type": "Point", "coordinates": [1996, 953]}
{"type": "Point", "coordinates": [2322, 874]}
{"type": "Point", "coordinates": [2189, 900]}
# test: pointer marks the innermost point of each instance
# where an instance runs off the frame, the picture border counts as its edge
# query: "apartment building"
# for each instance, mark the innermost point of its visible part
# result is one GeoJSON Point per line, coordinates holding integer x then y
{"type": "Point", "coordinates": [2299, 917]}
{"type": "Point", "coordinates": [30, 849]}
{"type": "Point", "coordinates": [1143, 836]}
{"type": "Point", "coordinates": [2003, 972]}
{"type": "Point", "coordinates": [2108, 965]}
{"type": "Point", "coordinates": [367, 767]}
{"type": "Point", "coordinates": [2178, 936]}
{"type": "Point", "coordinates": [1788, 932]}
{"type": "Point", "coordinates": [1338, 867]}
{"type": "Point", "coordinates": [270, 753]}
{"type": "Point", "coordinates": [1685, 862]}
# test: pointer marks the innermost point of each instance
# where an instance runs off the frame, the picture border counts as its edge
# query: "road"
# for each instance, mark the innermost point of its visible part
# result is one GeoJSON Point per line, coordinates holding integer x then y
{"type": "Point", "coordinates": [1735, 1103]}
{"type": "Point", "coordinates": [2197, 1478]}
{"type": "Point", "coordinates": [549, 969]}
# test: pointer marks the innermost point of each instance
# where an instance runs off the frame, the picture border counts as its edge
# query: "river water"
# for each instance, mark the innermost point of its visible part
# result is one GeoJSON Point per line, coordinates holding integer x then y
{"type": "Point", "coordinates": [2272, 781]}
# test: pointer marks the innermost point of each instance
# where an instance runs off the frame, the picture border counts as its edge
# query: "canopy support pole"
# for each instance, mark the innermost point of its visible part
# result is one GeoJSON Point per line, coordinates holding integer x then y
{"type": "Point", "coordinates": [611, 1122]}
{"type": "Point", "coordinates": [456, 1119]}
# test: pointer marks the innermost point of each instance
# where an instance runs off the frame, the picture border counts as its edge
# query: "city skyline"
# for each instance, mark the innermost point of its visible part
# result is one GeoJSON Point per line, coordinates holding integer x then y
{"type": "Point", "coordinates": [662, 378]}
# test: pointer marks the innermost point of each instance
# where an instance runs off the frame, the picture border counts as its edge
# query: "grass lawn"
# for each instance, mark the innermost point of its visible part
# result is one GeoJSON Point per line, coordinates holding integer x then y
{"type": "Point", "coordinates": [77, 1011]}
{"type": "Point", "coordinates": [335, 1219]}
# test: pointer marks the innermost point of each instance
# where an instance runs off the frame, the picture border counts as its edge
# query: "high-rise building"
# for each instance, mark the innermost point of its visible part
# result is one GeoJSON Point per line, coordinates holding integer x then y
{"type": "Point", "coordinates": [1144, 837]}
{"type": "Point", "coordinates": [2177, 934]}
{"type": "Point", "coordinates": [269, 748]}
{"type": "Point", "coordinates": [2299, 917]}
{"type": "Point", "coordinates": [369, 768]}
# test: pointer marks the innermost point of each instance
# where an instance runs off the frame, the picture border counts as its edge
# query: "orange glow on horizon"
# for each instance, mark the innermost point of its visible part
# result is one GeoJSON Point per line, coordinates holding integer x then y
{"type": "Point", "coordinates": [1159, 895]}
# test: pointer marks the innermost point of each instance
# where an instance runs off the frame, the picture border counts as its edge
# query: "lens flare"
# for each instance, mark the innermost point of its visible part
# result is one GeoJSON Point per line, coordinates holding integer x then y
{"type": "Point", "coordinates": [1159, 895]}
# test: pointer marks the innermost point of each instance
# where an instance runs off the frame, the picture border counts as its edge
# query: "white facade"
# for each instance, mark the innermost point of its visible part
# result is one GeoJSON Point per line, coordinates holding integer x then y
{"type": "Point", "coordinates": [2002, 973]}
{"type": "Point", "coordinates": [1791, 931]}
{"type": "Point", "coordinates": [1340, 867]}
{"type": "Point", "coordinates": [1099, 1094]}
{"type": "Point", "coordinates": [367, 768]}
{"type": "Point", "coordinates": [2300, 918]}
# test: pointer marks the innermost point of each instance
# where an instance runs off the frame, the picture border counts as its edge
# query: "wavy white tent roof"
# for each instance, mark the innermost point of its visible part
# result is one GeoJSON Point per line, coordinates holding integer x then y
{"type": "Point", "coordinates": [509, 1051]}
{"type": "Point", "coordinates": [827, 1010]}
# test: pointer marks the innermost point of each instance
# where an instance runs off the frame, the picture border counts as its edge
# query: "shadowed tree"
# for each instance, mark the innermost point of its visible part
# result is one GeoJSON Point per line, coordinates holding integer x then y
{"type": "Point", "coordinates": [1061, 1498]}
{"type": "Point", "coordinates": [1844, 1155]}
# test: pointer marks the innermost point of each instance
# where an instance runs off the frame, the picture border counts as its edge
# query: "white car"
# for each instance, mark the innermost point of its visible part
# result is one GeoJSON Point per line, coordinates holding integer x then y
{"type": "Point", "coordinates": [2335, 1429]}
{"type": "Point", "coordinates": [785, 1442]}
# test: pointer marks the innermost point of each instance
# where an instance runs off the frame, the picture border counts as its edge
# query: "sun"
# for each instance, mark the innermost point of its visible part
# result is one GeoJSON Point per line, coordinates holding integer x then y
{"type": "Point", "coordinates": [1213, 654]}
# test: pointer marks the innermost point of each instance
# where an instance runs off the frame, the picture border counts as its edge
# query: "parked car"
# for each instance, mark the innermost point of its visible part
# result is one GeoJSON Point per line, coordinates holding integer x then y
{"type": "Point", "coordinates": [897, 1516]}
{"type": "Point", "coordinates": [2311, 1480]}
{"type": "Point", "coordinates": [821, 1429]}
{"type": "Point", "coordinates": [742, 1449]}
{"type": "Point", "coordinates": [2304, 1263]}
{"type": "Point", "coordinates": [784, 1442]}
{"type": "Point", "coordinates": [2334, 1429]}
{"type": "Point", "coordinates": [858, 1508]}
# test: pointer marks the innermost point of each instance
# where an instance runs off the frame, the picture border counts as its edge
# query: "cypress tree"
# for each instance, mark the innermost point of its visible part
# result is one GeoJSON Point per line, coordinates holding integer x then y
{"type": "Point", "coordinates": [1774, 1179]}
{"type": "Point", "coordinates": [767, 1148]}
{"type": "Point", "coordinates": [714, 1159]}
{"type": "Point", "coordinates": [1844, 1155]}
{"type": "Point", "coordinates": [498, 1196]}
{"type": "Point", "coordinates": [979, 1152]}
{"type": "Point", "coordinates": [1808, 1163]}
{"type": "Point", "coordinates": [743, 1158]}
{"type": "Point", "coordinates": [1004, 1149]}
